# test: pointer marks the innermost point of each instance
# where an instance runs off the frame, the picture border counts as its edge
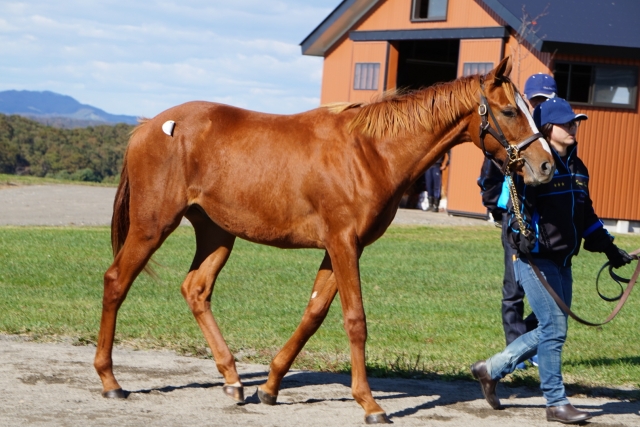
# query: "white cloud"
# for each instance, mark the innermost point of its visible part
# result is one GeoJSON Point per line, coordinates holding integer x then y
{"type": "Point", "coordinates": [140, 58]}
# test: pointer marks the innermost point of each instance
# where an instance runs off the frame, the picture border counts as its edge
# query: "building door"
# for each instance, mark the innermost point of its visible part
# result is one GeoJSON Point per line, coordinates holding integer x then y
{"type": "Point", "coordinates": [423, 63]}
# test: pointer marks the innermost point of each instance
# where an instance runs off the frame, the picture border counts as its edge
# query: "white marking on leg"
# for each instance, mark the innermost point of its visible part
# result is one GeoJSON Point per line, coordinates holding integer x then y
{"type": "Point", "coordinates": [314, 294]}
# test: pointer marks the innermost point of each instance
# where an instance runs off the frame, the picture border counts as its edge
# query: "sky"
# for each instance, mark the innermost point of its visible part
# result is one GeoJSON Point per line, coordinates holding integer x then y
{"type": "Point", "coordinates": [140, 57]}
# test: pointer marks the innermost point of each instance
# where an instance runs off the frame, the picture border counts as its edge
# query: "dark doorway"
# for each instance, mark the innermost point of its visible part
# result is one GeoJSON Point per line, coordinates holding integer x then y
{"type": "Point", "coordinates": [422, 63]}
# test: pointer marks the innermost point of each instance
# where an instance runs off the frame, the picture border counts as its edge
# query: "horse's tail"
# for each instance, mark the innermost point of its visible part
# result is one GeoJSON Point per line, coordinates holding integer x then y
{"type": "Point", "coordinates": [120, 218]}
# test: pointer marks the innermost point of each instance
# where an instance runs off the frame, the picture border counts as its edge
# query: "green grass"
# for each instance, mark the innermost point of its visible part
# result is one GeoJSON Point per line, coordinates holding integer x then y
{"type": "Point", "coordinates": [35, 180]}
{"type": "Point", "coordinates": [432, 297]}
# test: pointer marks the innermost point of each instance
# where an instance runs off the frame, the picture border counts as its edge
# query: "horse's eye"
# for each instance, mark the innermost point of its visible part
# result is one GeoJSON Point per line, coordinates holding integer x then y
{"type": "Point", "coordinates": [510, 112]}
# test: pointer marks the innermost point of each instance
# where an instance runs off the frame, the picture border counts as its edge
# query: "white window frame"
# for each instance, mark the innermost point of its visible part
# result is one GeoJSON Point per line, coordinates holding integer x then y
{"type": "Point", "coordinates": [631, 93]}
{"type": "Point", "coordinates": [471, 68]}
{"type": "Point", "coordinates": [415, 11]}
{"type": "Point", "coordinates": [366, 76]}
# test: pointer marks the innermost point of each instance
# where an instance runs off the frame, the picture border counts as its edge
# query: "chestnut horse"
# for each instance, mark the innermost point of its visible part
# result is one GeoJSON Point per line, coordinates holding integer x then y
{"type": "Point", "coordinates": [330, 178]}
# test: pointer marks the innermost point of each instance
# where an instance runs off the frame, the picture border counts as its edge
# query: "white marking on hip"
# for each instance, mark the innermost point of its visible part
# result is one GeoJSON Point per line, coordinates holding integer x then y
{"type": "Point", "coordinates": [167, 127]}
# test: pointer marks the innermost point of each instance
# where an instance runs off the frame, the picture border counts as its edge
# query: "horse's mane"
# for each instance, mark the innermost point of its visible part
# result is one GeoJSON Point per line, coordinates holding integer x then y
{"type": "Point", "coordinates": [339, 107]}
{"type": "Point", "coordinates": [141, 122]}
{"type": "Point", "coordinates": [425, 109]}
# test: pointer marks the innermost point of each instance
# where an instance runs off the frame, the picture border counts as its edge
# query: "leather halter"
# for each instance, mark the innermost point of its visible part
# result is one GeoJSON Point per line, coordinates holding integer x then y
{"type": "Point", "coordinates": [513, 150]}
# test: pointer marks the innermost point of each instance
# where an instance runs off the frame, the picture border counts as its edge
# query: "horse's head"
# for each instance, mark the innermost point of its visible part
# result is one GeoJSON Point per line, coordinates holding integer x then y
{"type": "Point", "coordinates": [507, 131]}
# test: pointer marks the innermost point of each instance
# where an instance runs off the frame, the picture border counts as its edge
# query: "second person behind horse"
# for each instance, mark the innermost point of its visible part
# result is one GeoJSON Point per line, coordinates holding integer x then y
{"type": "Point", "coordinates": [433, 179]}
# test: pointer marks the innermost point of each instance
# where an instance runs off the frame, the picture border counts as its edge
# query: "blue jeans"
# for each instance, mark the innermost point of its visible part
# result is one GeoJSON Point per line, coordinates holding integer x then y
{"type": "Point", "coordinates": [548, 338]}
{"type": "Point", "coordinates": [433, 178]}
{"type": "Point", "coordinates": [513, 322]}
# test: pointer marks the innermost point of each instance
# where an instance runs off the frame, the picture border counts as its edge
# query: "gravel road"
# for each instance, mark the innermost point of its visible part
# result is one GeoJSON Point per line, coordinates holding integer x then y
{"type": "Point", "coordinates": [88, 205]}
{"type": "Point", "coordinates": [54, 384]}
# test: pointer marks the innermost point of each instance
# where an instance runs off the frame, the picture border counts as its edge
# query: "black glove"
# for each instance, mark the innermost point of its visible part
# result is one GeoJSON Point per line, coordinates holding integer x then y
{"type": "Point", "coordinates": [527, 243]}
{"type": "Point", "coordinates": [617, 257]}
{"type": "Point", "coordinates": [497, 215]}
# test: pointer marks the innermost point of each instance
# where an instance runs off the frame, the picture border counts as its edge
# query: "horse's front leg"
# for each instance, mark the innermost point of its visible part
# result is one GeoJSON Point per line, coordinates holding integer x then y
{"type": "Point", "coordinates": [322, 295]}
{"type": "Point", "coordinates": [345, 256]}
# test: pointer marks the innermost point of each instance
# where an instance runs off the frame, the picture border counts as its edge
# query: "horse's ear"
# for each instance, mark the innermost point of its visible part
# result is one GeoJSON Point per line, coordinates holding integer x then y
{"type": "Point", "coordinates": [503, 69]}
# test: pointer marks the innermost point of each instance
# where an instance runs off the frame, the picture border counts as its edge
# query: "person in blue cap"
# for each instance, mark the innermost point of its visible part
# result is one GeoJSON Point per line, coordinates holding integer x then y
{"type": "Point", "coordinates": [538, 88]}
{"type": "Point", "coordinates": [558, 216]}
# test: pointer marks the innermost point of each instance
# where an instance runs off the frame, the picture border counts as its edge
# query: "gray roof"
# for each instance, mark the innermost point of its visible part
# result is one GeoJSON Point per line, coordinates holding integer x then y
{"type": "Point", "coordinates": [589, 27]}
{"type": "Point", "coordinates": [585, 27]}
{"type": "Point", "coordinates": [334, 26]}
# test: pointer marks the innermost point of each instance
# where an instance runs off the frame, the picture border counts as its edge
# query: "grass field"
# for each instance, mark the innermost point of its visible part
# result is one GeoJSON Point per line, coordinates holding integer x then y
{"type": "Point", "coordinates": [432, 297]}
{"type": "Point", "coordinates": [35, 180]}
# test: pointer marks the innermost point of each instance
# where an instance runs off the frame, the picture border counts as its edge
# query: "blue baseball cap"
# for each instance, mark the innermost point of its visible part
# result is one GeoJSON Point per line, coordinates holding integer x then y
{"type": "Point", "coordinates": [540, 85]}
{"type": "Point", "coordinates": [556, 111]}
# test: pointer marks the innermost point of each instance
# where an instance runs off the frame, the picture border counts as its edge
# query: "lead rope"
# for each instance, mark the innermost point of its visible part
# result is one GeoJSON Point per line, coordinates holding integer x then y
{"type": "Point", "coordinates": [567, 310]}
{"type": "Point", "coordinates": [516, 207]}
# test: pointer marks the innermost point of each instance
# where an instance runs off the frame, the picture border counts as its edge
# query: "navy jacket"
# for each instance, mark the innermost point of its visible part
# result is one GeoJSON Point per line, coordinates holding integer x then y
{"type": "Point", "coordinates": [560, 213]}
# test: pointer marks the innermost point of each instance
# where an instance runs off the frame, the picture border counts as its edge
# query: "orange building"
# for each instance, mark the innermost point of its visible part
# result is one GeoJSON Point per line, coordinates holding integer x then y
{"type": "Point", "coordinates": [592, 48]}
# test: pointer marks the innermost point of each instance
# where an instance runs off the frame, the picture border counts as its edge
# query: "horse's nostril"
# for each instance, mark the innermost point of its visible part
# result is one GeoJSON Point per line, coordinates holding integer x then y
{"type": "Point", "coordinates": [546, 168]}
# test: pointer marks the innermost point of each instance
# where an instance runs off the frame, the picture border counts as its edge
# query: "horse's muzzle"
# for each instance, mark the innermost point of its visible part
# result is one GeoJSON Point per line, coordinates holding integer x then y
{"type": "Point", "coordinates": [540, 174]}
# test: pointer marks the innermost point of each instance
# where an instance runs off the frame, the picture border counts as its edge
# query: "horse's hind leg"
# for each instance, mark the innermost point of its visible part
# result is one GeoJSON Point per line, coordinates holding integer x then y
{"type": "Point", "coordinates": [134, 255]}
{"type": "Point", "coordinates": [213, 247]}
{"type": "Point", "coordinates": [324, 291]}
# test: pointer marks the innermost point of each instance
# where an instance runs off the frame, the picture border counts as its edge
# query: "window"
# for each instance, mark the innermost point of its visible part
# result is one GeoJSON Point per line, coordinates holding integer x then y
{"type": "Point", "coordinates": [366, 77]}
{"type": "Point", "coordinates": [602, 85]}
{"type": "Point", "coordinates": [429, 10]}
{"type": "Point", "coordinates": [471, 68]}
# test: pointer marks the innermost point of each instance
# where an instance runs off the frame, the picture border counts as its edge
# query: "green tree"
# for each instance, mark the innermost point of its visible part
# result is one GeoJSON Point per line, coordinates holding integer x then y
{"type": "Point", "coordinates": [93, 153]}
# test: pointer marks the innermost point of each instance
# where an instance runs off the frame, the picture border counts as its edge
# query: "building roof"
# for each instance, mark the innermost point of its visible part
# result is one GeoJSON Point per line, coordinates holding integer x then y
{"type": "Point", "coordinates": [583, 27]}
{"type": "Point", "coordinates": [588, 27]}
{"type": "Point", "coordinates": [334, 26]}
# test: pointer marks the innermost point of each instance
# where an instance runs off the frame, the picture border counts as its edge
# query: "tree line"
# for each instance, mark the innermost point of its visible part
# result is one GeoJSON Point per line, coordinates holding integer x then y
{"type": "Point", "coordinates": [92, 153]}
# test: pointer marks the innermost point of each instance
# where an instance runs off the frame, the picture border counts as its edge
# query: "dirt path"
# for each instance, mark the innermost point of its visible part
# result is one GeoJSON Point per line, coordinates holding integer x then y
{"type": "Point", "coordinates": [54, 384]}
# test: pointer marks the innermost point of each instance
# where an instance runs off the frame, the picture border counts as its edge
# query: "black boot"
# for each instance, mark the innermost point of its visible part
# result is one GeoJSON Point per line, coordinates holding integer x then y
{"type": "Point", "coordinates": [436, 204]}
{"type": "Point", "coordinates": [431, 204]}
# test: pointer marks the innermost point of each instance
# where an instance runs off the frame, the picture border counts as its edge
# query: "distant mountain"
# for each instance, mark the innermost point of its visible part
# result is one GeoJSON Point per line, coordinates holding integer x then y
{"type": "Point", "coordinates": [57, 110]}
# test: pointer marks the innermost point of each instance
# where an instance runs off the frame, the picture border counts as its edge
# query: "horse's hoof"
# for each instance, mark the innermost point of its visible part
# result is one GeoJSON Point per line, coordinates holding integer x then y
{"type": "Point", "coordinates": [114, 394]}
{"type": "Point", "coordinates": [380, 418]}
{"type": "Point", "coordinates": [236, 393]}
{"type": "Point", "coordinates": [266, 398]}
